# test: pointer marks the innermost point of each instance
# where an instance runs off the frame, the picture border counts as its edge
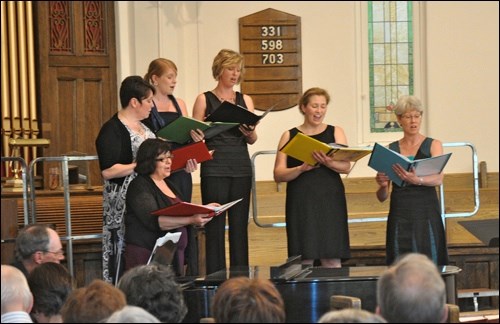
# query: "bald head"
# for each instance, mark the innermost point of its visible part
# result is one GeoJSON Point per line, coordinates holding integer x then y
{"type": "Point", "coordinates": [16, 294]}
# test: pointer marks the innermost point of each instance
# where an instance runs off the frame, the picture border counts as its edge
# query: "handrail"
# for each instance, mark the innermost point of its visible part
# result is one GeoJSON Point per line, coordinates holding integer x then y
{"type": "Point", "coordinates": [475, 168]}
{"type": "Point", "coordinates": [25, 183]}
{"type": "Point", "coordinates": [67, 205]}
{"type": "Point", "coordinates": [475, 172]}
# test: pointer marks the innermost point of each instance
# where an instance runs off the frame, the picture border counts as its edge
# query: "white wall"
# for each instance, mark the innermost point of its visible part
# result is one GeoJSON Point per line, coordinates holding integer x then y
{"type": "Point", "coordinates": [457, 72]}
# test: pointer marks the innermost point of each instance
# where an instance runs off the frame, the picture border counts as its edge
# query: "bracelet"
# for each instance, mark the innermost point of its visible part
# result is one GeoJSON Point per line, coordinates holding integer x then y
{"type": "Point", "coordinates": [421, 181]}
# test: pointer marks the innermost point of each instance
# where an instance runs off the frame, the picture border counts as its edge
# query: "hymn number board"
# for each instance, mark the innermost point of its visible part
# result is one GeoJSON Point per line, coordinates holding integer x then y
{"type": "Point", "coordinates": [271, 44]}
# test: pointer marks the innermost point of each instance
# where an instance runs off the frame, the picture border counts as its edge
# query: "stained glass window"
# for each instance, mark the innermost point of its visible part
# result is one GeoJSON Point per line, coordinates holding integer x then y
{"type": "Point", "coordinates": [390, 43]}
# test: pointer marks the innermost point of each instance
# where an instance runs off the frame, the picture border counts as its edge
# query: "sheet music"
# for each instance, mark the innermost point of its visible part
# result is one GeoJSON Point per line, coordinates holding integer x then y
{"type": "Point", "coordinates": [174, 237]}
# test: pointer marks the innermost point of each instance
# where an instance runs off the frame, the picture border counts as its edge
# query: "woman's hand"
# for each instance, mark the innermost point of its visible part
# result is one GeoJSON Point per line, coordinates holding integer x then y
{"type": "Point", "coordinates": [199, 220]}
{"type": "Point", "coordinates": [249, 132]}
{"type": "Point", "coordinates": [382, 180]}
{"type": "Point", "coordinates": [406, 176]}
{"type": "Point", "coordinates": [191, 166]}
{"type": "Point", "coordinates": [197, 135]}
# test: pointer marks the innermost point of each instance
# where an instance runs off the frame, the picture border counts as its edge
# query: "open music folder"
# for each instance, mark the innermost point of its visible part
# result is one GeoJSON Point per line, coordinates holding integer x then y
{"type": "Point", "coordinates": [383, 158]}
{"type": "Point", "coordinates": [179, 131]}
{"type": "Point", "coordinates": [188, 209]}
{"type": "Point", "coordinates": [229, 112]}
{"type": "Point", "coordinates": [302, 146]}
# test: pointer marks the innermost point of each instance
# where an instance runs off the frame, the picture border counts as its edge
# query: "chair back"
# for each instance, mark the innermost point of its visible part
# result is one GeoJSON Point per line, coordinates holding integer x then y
{"type": "Point", "coordinates": [453, 313]}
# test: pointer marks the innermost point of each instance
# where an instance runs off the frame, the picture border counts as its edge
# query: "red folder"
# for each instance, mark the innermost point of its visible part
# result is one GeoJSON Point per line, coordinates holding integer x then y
{"type": "Point", "coordinates": [197, 150]}
{"type": "Point", "coordinates": [188, 209]}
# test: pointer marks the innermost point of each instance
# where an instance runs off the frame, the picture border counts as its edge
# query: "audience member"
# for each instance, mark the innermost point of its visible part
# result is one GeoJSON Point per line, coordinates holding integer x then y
{"type": "Point", "coordinates": [351, 315]}
{"type": "Point", "coordinates": [93, 303]}
{"type": "Point", "coordinates": [37, 244]}
{"type": "Point", "coordinates": [412, 291]}
{"type": "Point", "coordinates": [132, 314]}
{"type": "Point", "coordinates": [245, 300]}
{"type": "Point", "coordinates": [50, 283]}
{"type": "Point", "coordinates": [17, 299]}
{"type": "Point", "coordinates": [153, 287]}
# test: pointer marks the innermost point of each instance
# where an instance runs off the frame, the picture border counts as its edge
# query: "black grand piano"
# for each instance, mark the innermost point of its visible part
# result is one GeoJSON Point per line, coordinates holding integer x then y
{"type": "Point", "coordinates": [306, 290]}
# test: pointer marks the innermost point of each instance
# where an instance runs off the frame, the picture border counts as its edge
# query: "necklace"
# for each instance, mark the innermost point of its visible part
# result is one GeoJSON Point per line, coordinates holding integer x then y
{"type": "Point", "coordinates": [410, 145]}
{"type": "Point", "coordinates": [134, 127]}
{"type": "Point", "coordinates": [230, 98]}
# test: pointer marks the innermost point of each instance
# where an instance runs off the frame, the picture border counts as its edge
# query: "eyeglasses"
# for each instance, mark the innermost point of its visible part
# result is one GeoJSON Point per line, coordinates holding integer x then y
{"type": "Point", "coordinates": [164, 159]}
{"type": "Point", "coordinates": [58, 253]}
{"type": "Point", "coordinates": [409, 117]}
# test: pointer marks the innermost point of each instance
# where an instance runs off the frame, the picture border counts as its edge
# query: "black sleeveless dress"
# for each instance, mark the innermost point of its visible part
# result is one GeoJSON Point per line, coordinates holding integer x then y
{"type": "Point", "coordinates": [414, 223]}
{"type": "Point", "coordinates": [316, 210]}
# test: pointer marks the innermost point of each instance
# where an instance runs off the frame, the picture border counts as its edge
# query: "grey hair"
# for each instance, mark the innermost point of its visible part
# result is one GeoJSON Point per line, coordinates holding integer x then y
{"type": "Point", "coordinates": [15, 288]}
{"type": "Point", "coordinates": [31, 239]}
{"type": "Point", "coordinates": [132, 314]}
{"type": "Point", "coordinates": [408, 103]}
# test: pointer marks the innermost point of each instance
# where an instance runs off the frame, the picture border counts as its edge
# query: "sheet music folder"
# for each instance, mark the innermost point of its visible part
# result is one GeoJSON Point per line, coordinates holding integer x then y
{"type": "Point", "coordinates": [383, 158]}
{"type": "Point", "coordinates": [231, 113]}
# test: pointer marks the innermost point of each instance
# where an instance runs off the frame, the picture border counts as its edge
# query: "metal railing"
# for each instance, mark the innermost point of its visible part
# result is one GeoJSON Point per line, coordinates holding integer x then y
{"type": "Point", "coordinates": [444, 215]}
{"type": "Point", "coordinates": [67, 201]}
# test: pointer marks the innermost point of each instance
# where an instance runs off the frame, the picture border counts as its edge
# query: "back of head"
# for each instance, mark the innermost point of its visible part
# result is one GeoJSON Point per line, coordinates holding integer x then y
{"type": "Point", "coordinates": [16, 294]}
{"type": "Point", "coordinates": [93, 303]}
{"type": "Point", "coordinates": [412, 291]}
{"type": "Point", "coordinates": [51, 284]}
{"type": "Point", "coordinates": [153, 287]}
{"type": "Point", "coordinates": [351, 315]}
{"type": "Point", "coordinates": [31, 239]}
{"type": "Point", "coordinates": [132, 314]}
{"type": "Point", "coordinates": [244, 300]}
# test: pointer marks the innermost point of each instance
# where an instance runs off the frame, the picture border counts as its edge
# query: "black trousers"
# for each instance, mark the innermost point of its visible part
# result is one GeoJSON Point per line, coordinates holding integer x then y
{"type": "Point", "coordinates": [223, 190]}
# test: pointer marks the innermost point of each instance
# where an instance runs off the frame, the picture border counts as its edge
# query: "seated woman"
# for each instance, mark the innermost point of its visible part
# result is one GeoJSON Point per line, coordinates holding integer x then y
{"type": "Point", "coordinates": [149, 191]}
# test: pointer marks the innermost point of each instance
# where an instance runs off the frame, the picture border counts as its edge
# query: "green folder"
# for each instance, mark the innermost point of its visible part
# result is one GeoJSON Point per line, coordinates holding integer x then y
{"type": "Point", "coordinates": [179, 130]}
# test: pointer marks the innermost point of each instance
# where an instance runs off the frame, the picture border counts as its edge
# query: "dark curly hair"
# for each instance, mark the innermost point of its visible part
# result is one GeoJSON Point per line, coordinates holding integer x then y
{"type": "Point", "coordinates": [147, 153]}
{"type": "Point", "coordinates": [153, 287]}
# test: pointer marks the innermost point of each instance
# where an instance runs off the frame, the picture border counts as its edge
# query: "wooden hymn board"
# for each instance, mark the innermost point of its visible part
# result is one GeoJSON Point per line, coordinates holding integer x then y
{"type": "Point", "coordinates": [271, 44]}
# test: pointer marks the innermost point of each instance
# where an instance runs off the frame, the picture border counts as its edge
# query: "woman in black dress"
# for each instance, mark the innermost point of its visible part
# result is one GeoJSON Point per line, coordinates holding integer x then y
{"type": "Point", "coordinates": [316, 209]}
{"type": "Point", "coordinates": [162, 74]}
{"type": "Point", "coordinates": [414, 223]}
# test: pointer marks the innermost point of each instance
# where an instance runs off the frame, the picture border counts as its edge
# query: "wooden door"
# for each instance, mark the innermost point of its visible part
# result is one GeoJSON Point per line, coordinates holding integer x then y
{"type": "Point", "coordinates": [76, 76]}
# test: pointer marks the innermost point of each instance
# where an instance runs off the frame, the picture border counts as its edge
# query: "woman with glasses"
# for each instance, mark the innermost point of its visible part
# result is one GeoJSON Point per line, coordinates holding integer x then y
{"type": "Point", "coordinates": [414, 223]}
{"type": "Point", "coordinates": [149, 191]}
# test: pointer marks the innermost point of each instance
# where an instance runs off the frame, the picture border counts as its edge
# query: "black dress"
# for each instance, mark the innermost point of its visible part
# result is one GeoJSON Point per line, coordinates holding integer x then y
{"type": "Point", "coordinates": [316, 210]}
{"type": "Point", "coordinates": [414, 223]}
